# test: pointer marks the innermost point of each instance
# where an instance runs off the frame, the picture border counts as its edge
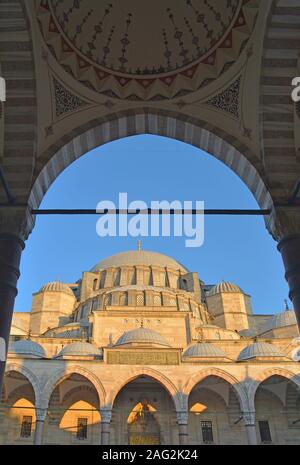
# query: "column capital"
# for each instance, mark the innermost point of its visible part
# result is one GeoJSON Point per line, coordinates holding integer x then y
{"type": "Point", "coordinates": [41, 413]}
{"type": "Point", "coordinates": [284, 222]}
{"type": "Point", "coordinates": [17, 221]}
{"type": "Point", "coordinates": [249, 418]}
{"type": "Point", "coordinates": [106, 415]}
{"type": "Point", "coordinates": [182, 417]}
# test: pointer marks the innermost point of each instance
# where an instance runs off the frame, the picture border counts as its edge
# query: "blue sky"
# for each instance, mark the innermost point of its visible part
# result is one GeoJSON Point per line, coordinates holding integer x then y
{"type": "Point", "coordinates": [237, 249]}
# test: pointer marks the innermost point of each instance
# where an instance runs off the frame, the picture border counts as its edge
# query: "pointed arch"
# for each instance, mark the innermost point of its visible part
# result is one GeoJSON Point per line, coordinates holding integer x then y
{"type": "Point", "coordinates": [136, 373]}
{"type": "Point", "coordinates": [264, 375]}
{"type": "Point", "coordinates": [29, 375]}
{"type": "Point", "coordinates": [230, 379]}
{"type": "Point", "coordinates": [238, 157]}
{"type": "Point", "coordinates": [65, 373]}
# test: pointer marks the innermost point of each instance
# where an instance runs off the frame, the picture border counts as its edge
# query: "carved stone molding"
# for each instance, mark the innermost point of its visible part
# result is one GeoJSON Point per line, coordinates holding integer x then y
{"type": "Point", "coordinates": [17, 221]}
{"type": "Point", "coordinates": [283, 222]}
{"type": "Point", "coordinates": [105, 415]}
{"type": "Point", "coordinates": [41, 414]}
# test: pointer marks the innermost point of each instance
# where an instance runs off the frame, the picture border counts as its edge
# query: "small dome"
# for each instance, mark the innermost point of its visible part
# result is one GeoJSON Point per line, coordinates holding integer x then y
{"type": "Point", "coordinates": [259, 349]}
{"type": "Point", "coordinates": [204, 350]}
{"type": "Point", "coordinates": [280, 320]}
{"type": "Point", "coordinates": [142, 336]}
{"type": "Point", "coordinates": [80, 349]}
{"type": "Point", "coordinates": [26, 347]}
{"type": "Point", "coordinates": [139, 257]}
{"type": "Point", "coordinates": [57, 287]}
{"type": "Point", "coordinates": [225, 287]}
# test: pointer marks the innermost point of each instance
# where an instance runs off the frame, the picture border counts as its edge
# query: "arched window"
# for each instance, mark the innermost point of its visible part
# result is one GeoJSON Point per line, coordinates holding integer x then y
{"type": "Point", "coordinates": [140, 299]}
{"type": "Point", "coordinates": [184, 284]}
{"type": "Point", "coordinates": [157, 300]}
{"type": "Point", "coordinates": [102, 280]}
{"type": "Point", "coordinates": [123, 298]}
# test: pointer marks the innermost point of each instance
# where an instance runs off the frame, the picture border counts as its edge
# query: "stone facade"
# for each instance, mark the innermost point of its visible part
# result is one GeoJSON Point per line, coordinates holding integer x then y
{"type": "Point", "coordinates": [141, 351]}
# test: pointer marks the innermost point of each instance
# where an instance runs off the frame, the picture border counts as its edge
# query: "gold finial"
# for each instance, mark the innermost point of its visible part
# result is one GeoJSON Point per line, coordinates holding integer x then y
{"type": "Point", "coordinates": [139, 246]}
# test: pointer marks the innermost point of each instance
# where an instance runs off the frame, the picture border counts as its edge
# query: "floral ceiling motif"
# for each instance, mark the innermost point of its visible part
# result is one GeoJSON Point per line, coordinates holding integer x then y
{"type": "Point", "coordinates": [146, 50]}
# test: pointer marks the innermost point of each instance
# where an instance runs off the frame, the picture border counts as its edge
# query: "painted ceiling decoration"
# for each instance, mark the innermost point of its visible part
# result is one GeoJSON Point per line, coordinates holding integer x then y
{"type": "Point", "coordinates": [65, 101]}
{"type": "Point", "coordinates": [229, 99]}
{"type": "Point", "coordinates": [196, 41]}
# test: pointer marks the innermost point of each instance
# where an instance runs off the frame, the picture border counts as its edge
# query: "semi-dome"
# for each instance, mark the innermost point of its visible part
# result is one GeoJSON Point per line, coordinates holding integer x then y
{"type": "Point", "coordinates": [259, 349]}
{"type": "Point", "coordinates": [57, 286]}
{"type": "Point", "coordinates": [142, 336]}
{"type": "Point", "coordinates": [139, 257]}
{"type": "Point", "coordinates": [280, 320]}
{"type": "Point", "coordinates": [26, 347]}
{"type": "Point", "coordinates": [80, 349]}
{"type": "Point", "coordinates": [204, 350]}
{"type": "Point", "coordinates": [225, 287]}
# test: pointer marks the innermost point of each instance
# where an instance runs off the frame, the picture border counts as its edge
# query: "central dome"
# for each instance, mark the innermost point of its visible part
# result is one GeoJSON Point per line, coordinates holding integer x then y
{"type": "Point", "coordinates": [139, 257]}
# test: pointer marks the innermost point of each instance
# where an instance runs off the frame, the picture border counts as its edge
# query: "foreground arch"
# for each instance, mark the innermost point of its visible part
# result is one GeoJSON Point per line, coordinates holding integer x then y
{"type": "Point", "coordinates": [168, 124]}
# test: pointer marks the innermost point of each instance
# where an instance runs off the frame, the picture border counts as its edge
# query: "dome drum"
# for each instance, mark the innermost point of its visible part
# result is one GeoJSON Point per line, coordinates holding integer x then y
{"type": "Point", "coordinates": [140, 297]}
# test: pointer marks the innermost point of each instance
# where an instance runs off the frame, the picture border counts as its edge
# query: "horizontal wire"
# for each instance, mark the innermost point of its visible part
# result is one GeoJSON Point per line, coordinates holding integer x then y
{"type": "Point", "coordinates": [149, 211]}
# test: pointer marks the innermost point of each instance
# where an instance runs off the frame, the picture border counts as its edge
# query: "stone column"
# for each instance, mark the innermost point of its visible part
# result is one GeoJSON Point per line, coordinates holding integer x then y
{"type": "Point", "coordinates": [39, 426]}
{"type": "Point", "coordinates": [15, 225]}
{"type": "Point", "coordinates": [249, 419]}
{"type": "Point", "coordinates": [289, 247]}
{"type": "Point", "coordinates": [105, 426]}
{"type": "Point", "coordinates": [182, 422]}
{"type": "Point", "coordinates": [284, 225]}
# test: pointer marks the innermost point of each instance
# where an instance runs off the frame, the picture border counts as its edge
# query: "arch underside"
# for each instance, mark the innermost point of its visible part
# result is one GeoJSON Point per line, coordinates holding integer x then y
{"type": "Point", "coordinates": [30, 170]}
{"type": "Point", "coordinates": [196, 133]}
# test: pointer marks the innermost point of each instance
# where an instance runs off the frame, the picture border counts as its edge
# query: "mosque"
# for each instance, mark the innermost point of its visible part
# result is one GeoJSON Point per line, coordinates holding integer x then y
{"type": "Point", "coordinates": [141, 351]}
